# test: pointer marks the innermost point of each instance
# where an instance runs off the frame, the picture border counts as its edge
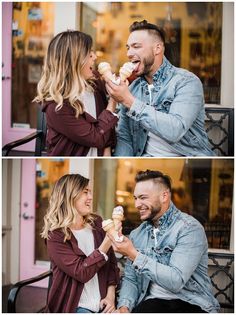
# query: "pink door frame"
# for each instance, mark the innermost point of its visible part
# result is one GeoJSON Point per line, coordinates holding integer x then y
{"type": "Point", "coordinates": [28, 267]}
{"type": "Point", "coordinates": [8, 132]}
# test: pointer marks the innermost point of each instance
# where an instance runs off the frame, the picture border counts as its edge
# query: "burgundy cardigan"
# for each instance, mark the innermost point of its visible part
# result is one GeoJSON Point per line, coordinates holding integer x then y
{"type": "Point", "coordinates": [71, 136]}
{"type": "Point", "coordinates": [72, 268]}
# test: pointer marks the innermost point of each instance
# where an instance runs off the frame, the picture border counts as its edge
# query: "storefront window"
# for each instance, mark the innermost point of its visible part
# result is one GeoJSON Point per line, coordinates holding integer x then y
{"type": "Point", "coordinates": [32, 29]}
{"type": "Point", "coordinates": [193, 35]}
{"type": "Point", "coordinates": [47, 173]}
{"type": "Point", "coordinates": [201, 188]}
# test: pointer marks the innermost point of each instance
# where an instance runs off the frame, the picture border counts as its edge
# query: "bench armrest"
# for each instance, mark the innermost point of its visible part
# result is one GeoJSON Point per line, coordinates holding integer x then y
{"type": "Point", "coordinates": [11, 302]}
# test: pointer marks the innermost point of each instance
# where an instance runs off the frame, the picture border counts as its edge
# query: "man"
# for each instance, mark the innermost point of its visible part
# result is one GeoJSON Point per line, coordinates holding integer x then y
{"type": "Point", "coordinates": [163, 110]}
{"type": "Point", "coordinates": [166, 269]}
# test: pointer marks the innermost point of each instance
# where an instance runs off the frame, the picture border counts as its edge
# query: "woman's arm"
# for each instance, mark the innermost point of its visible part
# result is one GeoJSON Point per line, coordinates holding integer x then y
{"type": "Point", "coordinates": [75, 264]}
{"type": "Point", "coordinates": [84, 130]}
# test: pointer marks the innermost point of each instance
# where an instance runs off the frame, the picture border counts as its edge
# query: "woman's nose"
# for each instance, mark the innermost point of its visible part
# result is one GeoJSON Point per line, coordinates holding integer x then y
{"type": "Point", "coordinates": [94, 56]}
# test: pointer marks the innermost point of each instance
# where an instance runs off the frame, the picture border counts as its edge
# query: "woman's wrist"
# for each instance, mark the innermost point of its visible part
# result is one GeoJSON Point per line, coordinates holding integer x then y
{"type": "Point", "coordinates": [111, 106]}
{"type": "Point", "coordinates": [111, 292]}
{"type": "Point", "coordinates": [106, 244]}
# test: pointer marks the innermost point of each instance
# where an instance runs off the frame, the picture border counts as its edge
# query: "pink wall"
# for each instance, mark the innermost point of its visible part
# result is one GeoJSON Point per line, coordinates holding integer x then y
{"type": "Point", "coordinates": [28, 266]}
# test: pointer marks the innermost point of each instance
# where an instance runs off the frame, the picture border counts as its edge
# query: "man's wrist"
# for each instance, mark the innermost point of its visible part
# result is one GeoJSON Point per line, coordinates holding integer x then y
{"type": "Point", "coordinates": [133, 254]}
{"type": "Point", "coordinates": [128, 102]}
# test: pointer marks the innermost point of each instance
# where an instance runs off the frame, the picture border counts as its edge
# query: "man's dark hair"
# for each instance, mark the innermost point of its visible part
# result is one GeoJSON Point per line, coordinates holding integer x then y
{"type": "Point", "coordinates": [151, 28]}
{"type": "Point", "coordinates": [156, 176]}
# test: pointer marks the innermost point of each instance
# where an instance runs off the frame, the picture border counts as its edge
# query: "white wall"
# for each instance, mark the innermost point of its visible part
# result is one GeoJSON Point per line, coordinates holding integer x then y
{"type": "Point", "coordinates": [66, 16]}
{"type": "Point", "coordinates": [81, 166]}
{"type": "Point", "coordinates": [227, 64]}
{"type": "Point", "coordinates": [11, 176]}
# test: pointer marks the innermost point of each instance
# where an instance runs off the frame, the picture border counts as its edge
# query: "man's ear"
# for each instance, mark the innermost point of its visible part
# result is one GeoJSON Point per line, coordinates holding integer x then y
{"type": "Point", "coordinates": [165, 196]}
{"type": "Point", "coordinates": [158, 48]}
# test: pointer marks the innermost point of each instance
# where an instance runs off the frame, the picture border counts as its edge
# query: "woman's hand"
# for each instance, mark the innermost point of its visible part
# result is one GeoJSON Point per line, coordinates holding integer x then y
{"type": "Point", "coordinates": [107, 305]}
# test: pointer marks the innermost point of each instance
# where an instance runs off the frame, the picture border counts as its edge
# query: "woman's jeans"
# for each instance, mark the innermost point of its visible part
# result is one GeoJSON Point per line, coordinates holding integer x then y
{"type": "Point", "coordinates": [82, 310]}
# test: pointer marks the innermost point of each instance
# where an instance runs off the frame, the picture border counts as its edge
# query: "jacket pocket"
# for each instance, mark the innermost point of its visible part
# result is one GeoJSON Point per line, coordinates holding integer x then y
{"type": "Point", "coordinates": [163, 254]}
{"type": "Point", "coordinates": [164, 105]}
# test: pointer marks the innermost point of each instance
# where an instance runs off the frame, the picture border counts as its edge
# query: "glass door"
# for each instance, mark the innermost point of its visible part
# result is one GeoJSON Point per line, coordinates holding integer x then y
{"type": "Point", "coordinates": [28, 28]}
{"type": "Point", "coordinates": [38, 178]}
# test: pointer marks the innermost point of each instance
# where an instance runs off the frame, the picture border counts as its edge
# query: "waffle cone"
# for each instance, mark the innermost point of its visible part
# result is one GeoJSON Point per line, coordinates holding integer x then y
{"type": "Point", "coordinates": [124, 74]}
{"type": "Point", "coordinates": [109, 226]}
{"type": "Point", "coordinates": [108, 75]}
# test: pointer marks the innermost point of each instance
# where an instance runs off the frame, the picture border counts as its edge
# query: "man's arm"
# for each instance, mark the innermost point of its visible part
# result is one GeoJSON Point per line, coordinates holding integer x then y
{"type": "Point", "coordinates": [128, 296]}
{"type": "Point", "coordinates": [173, 125]}
{"type": "Point", "coordinates": [184, 259]}
{"type": "Point", "coordinates": [124, 146]}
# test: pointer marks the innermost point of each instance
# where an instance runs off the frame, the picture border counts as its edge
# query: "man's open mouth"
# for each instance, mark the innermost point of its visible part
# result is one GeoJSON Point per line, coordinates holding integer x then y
{"type": "Point", "coordinates": [136, 63]}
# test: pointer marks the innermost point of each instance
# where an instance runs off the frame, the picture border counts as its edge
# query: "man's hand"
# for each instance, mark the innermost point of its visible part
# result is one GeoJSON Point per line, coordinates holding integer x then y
{"type": "Point", "coordinates": [120, 93]}
{"type": "Point", "coordinates": [123, 309]}
{"type": "Point", "coordinates": [125, 248]}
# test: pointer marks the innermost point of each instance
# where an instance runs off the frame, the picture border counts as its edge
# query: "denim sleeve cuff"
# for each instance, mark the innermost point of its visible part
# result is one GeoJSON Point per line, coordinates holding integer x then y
{"type": "Point", "coordinates": [136, 109]}
{"type": "Point", "coordinates": [127, 303]}
{"type": "Point", "coordinates": [139, 262]}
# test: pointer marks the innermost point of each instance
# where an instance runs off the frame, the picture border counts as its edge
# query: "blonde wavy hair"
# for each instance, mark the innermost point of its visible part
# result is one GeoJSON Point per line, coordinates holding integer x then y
{"type": "Point", "coordinates": [61, 77]}
{"type": "Point", "coordinates": [61, 212]}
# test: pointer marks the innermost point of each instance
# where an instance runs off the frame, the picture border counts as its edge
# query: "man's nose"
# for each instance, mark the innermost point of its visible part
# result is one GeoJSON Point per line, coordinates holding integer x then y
{"type": "Point", "coordinates": [129, 53]}
{"type": "Point", "coordinates": [137, 203]}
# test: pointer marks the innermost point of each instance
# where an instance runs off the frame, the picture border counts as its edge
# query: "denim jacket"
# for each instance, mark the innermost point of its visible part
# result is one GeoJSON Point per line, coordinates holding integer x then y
{"type": "Point", "coordinates": [176, 114]}
{"type": "Point", "coordinates": [178, 262]}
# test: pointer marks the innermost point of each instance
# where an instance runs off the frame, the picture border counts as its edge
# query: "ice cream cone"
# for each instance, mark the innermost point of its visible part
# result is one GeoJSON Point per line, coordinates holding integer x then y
{"type": "Point", "coordinates": [118, 216]}
{"type": "Point", "coordinates": [109, 227]}
{"type": "Point", "coordinates": [126, 70]}
{"type": "Point", "coordinates": [104, 69]}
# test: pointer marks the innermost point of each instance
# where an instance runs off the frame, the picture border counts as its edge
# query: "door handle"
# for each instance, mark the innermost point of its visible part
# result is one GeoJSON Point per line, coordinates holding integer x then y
{"type": "Point", "coordinates": [5, 78]}
{"type": "Point", "coordinates": [26, 216]}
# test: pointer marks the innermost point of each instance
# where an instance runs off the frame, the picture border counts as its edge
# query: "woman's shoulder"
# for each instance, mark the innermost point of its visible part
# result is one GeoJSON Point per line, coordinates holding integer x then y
{"type": "Point", "coordinates": [50, 108]}
{"type": "Point", "coordinates": [56, 234]}
{"type": "Point", "coordinates": [97, 220]}
{"type": "Point", "coordinates": [99, 87]}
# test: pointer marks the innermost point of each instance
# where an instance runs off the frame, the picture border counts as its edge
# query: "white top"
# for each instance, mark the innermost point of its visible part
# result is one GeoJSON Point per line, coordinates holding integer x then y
{"type": "Point", "coordinates": [88, 100]}
{"type": "Point", "coordinates": [155, 145]}
{"type": "Point", "coordinates": [156, 291]}
{"type": "Point", "coordinates": [90, 297]}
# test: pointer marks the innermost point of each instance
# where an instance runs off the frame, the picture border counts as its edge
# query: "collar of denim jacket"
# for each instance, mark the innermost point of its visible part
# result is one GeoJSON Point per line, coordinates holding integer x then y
{"type": "Point", "coordinates": [160, 75]}
{"type": "Point", "coordinates": [167, 218]}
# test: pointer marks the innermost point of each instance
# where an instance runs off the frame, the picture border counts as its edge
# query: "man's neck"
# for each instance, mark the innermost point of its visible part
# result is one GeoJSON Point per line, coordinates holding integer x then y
{"type": "Point", "coordinates": [155, 221]}
{"type": "Point", "coordinates": [156, 66]}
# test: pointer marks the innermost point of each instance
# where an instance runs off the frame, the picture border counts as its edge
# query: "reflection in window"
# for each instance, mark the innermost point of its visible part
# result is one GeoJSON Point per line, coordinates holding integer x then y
{"type": "Point", "coordinates": [193, 35]}
{"type": "Point", "coordinates": [202, 188]}
{"type": "Point", "coordinates": [33, 27]}
{"type": "Point", "coordinates": [47, 173]}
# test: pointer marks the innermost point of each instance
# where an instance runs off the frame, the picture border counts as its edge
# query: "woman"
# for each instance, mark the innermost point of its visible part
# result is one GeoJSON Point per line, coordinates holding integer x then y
{"type": "Point", "coordinates": [80, 121]}
{"type": "Point", "coordinates": [85, 272]}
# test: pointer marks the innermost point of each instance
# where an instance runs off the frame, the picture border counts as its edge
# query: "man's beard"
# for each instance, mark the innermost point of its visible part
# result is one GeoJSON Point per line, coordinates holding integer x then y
{"type": "Point", "coordinates": [148, 63]}
{"type": "Point", "coordinates": [154, 213]}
